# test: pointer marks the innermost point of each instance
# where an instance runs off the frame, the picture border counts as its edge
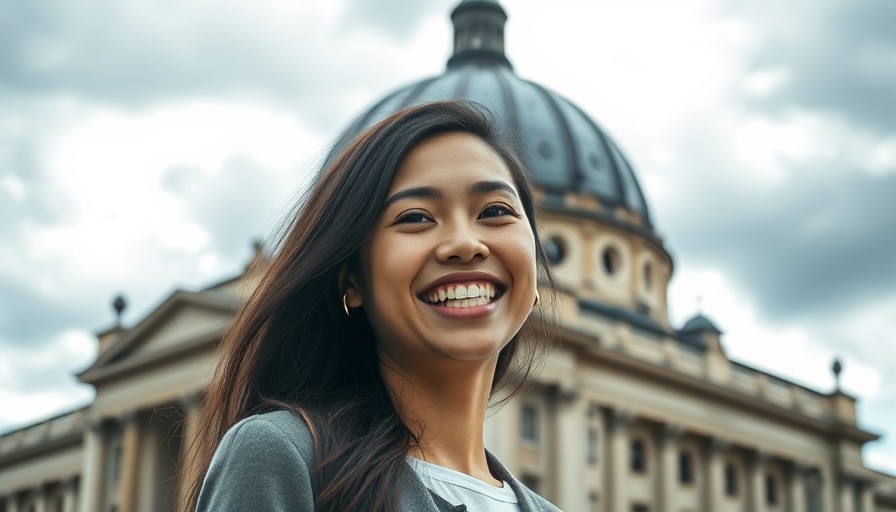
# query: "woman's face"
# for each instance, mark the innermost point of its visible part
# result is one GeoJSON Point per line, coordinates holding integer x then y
{"type": "Point", "coordinates": [449, 270]}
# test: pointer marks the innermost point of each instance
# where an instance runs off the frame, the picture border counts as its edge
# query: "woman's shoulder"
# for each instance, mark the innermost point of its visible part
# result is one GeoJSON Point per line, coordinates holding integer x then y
{"type": "Point", "coordinates": [264, 431]}
{"type": "Point", "coordinates": [278, 424]}
{"type": "Point", "coordinates": [264, 460]}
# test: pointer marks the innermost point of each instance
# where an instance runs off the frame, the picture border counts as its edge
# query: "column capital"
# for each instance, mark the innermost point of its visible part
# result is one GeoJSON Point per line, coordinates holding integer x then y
{"type": "Point", "coordinates": [129, 417]}
{"type": "Point", "coordinates": [758, 457]}
{"type": "Point", "coordinates": [96, 425]}
{"type": "Point", "coordinates": [564, 395]}
{"type": "Point", "coordinates": [68, 482]}
{"type": "Point", "coordinates": [671, 431]}
{"type": "Point", "coordinates": [718, 445]}
{"type": "Point", "coordinates": [800, 467]}
{"type": "Point", "coordinates": [620, 419]}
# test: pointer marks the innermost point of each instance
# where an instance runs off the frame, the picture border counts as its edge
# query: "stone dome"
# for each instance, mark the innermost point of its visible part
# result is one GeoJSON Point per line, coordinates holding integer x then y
{"type": "Point", "coordinates": [564, 149]}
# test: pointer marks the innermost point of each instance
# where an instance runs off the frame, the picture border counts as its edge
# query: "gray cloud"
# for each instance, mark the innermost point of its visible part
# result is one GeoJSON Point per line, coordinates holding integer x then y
{"type": "Point", "coordinates": [841, 57]}
{"type": "Point", "coordinates": [235, 205]}
{"type": "Point", "coordinates": [30, 318]}
{"type": "Point", "coordinates": [819, 244]}
{"type": "Point", "coordinates": [398, 19]}
{"type": "Point", "coordinates": [125, 53]}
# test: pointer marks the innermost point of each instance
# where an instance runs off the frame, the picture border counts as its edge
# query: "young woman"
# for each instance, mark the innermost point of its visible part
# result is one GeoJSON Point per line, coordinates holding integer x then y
{"type": "Point", "coordinates": [357, 376]}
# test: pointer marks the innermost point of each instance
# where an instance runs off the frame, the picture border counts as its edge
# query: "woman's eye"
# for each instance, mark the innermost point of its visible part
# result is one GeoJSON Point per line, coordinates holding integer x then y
{"type": "Point", "coordinates": [412, 218]}
{"type": "Point", "coordinates": [496, 210]}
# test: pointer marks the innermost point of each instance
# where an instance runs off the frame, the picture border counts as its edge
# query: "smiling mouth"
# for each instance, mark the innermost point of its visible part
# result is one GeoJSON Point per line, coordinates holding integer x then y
{"type": "Point", "coordinates": [465, 295]}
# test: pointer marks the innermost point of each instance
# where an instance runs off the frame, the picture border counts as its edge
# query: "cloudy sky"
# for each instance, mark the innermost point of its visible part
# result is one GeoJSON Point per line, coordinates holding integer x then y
{"type": "Point", "coordinates": [145, 145]}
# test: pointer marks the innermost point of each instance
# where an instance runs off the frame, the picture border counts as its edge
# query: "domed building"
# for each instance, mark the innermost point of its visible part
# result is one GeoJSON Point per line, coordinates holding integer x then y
{"type": "Point", "coordinates": [629, 414]}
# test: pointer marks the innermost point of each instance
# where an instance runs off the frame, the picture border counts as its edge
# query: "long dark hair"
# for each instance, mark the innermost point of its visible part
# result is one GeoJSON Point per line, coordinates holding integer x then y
{"type": "Point", "coordinates": [292, 346]}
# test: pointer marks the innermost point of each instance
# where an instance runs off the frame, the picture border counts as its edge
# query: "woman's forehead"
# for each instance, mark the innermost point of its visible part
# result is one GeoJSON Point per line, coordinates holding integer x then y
{"type": "Point", "coordinates": [451, 159]}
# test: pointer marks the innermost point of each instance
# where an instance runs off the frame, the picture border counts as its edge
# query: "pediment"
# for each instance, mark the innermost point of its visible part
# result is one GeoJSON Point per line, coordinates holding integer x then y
{"type": "Point", "coordinates": [181, 320]}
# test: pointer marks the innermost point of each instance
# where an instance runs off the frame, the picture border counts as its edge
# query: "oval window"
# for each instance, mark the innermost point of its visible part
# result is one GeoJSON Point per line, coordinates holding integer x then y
{"type": "Point", "coordinates": [612, 260]}
{"type": "Point", "coordinates": [555, 250]}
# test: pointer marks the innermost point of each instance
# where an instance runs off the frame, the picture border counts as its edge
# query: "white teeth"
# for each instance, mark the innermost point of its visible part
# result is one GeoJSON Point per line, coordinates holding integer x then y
{"type": "Point", "coordinates": [460, 296]}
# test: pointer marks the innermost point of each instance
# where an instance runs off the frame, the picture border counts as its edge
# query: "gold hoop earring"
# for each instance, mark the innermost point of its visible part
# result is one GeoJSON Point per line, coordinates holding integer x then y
{"type": "Point", "coordinates": [345, 304]}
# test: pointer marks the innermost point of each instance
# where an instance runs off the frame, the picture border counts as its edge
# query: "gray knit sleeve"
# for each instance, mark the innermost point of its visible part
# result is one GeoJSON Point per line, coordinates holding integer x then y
{"type": "Point", "coordinates": [261, 464]}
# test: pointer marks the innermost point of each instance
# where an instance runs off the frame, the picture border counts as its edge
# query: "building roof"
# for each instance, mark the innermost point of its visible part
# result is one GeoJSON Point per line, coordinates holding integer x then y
{"type": "Point", "coordinates": [699, 323]}
{"type": "Point", "coordinates": [565, 149]}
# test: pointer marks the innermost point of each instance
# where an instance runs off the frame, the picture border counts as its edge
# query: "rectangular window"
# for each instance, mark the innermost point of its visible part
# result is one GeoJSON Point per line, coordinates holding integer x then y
{"type": "Point", "coordinates": [640, 508]}
{"type": "Point", "coordinates": [813, 493]}
{"type": "Point", "coordinates": [529, 424]}
{"type": "Point", "coordinates": [730, 480]}
{"type": "Point", "coordinates": [638, 457]}
{"type": "Point", "coordinates": [771, 490]}
{"type": "Point", "coordinates": [685, 468]}
{"type": "Point", "coordinates": [592, 445]}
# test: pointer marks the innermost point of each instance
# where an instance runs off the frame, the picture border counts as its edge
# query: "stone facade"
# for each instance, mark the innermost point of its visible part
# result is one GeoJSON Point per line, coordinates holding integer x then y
{"type": "Point", "coordinates": [618, 420]}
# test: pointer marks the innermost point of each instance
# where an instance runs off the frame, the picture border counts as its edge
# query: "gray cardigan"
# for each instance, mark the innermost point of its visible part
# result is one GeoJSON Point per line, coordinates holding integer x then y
{"type": "Point", "coordinates": [264, 464]}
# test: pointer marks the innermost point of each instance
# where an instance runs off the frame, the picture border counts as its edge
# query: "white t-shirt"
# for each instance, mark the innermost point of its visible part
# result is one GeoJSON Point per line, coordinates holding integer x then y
{"type": "Point", "coordinates": [458, 488]}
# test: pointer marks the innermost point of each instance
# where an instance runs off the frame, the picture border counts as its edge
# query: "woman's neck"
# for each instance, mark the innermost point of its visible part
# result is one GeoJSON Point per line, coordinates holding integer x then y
{"type": "Point", "coordinates": [446, 411]}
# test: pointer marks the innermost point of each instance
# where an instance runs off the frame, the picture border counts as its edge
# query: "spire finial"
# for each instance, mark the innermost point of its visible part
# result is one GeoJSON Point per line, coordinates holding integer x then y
{"type": "Point", "coordinates": [836, 368]}
{"type": "Point", "coordinates": [478, 32]}
{"type": "Point", "coordinates": [119, 304]}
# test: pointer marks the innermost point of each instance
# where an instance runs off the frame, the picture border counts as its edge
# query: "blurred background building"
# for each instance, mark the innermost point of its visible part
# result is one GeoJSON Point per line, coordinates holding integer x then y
{"type": "Point", "coordinates": [630, 413]}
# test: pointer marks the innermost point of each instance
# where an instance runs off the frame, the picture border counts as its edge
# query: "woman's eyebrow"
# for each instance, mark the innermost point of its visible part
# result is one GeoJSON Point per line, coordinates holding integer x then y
{"type": "Point", "coordinates": [416, 193]}
{"type": "Point", "coordinates": [478, 188]}
{"type": "Point", "coordinates": [485, 187]}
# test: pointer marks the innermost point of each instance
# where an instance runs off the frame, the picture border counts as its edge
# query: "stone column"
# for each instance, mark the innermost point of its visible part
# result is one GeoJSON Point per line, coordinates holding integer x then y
{"type": "Point", "coordinates": [846, 491]}
{"type": "Point", "coordinates": [68, 494]}
{"type": "Point", "coordinates": [618, 454]}
{"type": "Point", "coordinates": [828, 491]}
{"type": "Point", "coordinates": [570, 440]}
{"type": "Point", "coordinates": [130, 456]}
{"type": "Point", "coordinates": [797, 490]}
{"type": "Point", "coordinates": [39, 498]}
{"type": "Point", "coordinates": [667, 464]}
{"type": "Point", "coordinates": [190, 405]}
{"type": "Point", "coordinates": [92, 473]}
{"type": "Point", "coordinates": [715, 473]}
{"type": "Point", "coordinates": [868, 497]}
{"type": "Point", "coordinates": [12, 503]}
{"type": "Point", "coordinates": [756, 481]}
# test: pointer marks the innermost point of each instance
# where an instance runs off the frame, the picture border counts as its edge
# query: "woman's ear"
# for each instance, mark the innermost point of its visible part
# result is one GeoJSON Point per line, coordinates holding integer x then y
{"type": "Point", "coordinates": [349, 287]}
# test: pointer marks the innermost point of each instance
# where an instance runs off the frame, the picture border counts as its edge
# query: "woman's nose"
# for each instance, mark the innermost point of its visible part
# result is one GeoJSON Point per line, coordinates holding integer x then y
{"type": "Point", "coordinates": [461, 243]}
